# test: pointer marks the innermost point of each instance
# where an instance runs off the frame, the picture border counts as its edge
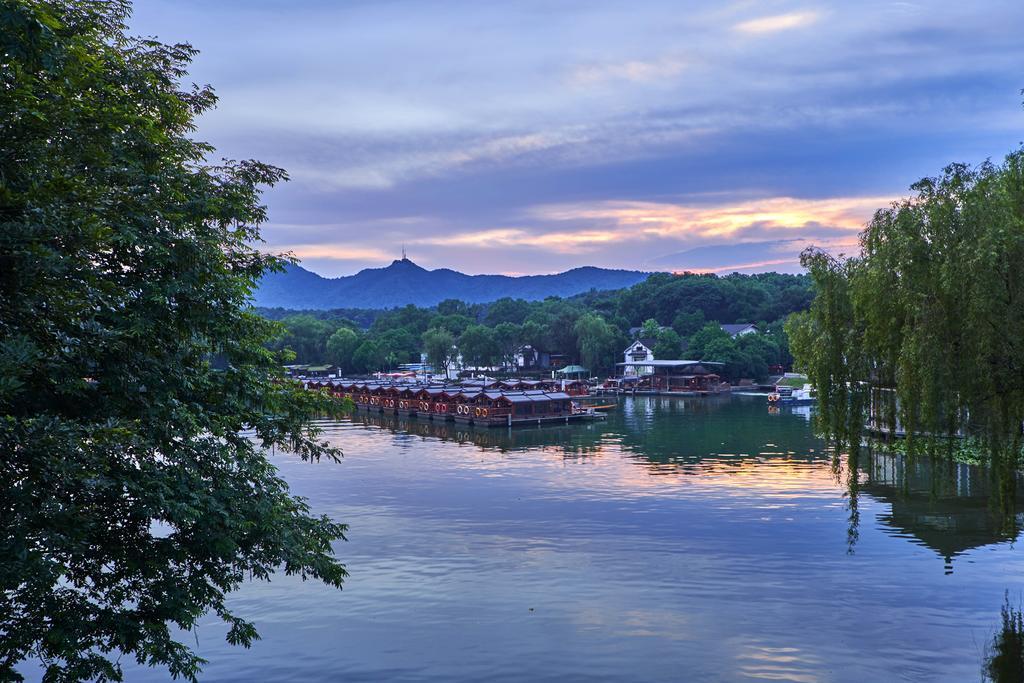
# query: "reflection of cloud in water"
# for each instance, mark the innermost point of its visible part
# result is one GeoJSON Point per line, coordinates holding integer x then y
{"type": "Point", "coordinates": [778, 663]}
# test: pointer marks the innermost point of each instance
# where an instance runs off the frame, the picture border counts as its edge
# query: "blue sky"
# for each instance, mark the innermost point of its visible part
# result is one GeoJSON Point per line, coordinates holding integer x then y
{"type": "Point", "coordinates": [532, 137]}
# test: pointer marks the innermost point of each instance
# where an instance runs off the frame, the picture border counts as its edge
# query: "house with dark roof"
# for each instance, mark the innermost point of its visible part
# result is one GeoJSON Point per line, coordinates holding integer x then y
{"type": "Point", "coordinates": [739, 329]}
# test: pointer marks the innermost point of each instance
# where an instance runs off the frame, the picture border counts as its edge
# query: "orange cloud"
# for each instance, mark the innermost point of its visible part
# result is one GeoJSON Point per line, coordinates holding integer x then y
{"type": "Point", "coordinates": [673, 220]}
{"type": "Point", "coordinates": [339, 252]}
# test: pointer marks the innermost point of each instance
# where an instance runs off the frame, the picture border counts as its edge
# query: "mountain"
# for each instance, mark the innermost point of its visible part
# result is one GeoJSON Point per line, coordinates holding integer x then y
{"type": "Point", "coordinates": [404, 282]}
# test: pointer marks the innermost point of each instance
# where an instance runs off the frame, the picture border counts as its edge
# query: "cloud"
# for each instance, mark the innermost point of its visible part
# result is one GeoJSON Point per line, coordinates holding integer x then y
{"type": "Point", "coordinates": [633, 71]}
{"type": "Point", "coordinates": [758, 234]}
{"type": "Point", "coordinates": [776, 23]}
{"type": "Point", "coordinates": [636, 219]}
{"type": "Point", "coordinates": [537, 137]}
{"type": "Point", "coordinates": [339, 252]}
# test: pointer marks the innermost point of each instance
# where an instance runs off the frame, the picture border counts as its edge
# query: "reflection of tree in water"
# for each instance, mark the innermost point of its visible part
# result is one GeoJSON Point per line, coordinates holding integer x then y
{"type": "Point", "coordinates": [577, 439]}
{"type": "Point", "coordinates": [943, 505]}
{"type": "Point", "coordinates": [655, 431]}
{"type": "Point", "coordinates": [1004, 655]}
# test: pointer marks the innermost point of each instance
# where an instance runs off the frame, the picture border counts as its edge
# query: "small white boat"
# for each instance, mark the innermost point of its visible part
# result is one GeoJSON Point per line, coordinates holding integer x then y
{"type": "Point", "coordinates": [790, 396]}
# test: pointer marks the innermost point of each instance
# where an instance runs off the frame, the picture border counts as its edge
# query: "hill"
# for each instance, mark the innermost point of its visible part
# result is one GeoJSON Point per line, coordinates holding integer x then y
{"type": "Point", "coordinates": [404, 282]}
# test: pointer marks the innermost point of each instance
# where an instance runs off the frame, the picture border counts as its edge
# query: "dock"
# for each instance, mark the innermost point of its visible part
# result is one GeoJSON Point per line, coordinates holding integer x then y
{"type": "Point", "coordinates": [480, 403]}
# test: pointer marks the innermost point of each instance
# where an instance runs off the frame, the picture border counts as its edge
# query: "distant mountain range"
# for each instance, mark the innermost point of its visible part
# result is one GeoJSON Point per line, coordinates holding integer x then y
{"type": "Point", "coordinates": [404, 282]}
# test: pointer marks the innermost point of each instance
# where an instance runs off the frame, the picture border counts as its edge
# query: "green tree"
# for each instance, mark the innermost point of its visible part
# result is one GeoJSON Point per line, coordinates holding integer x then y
{"type": "Point", "coordinates": [369, 356]}
{"type": "Point", "coordinates": [341, 346]}
{"type": "Point", "coordinates": [650, 329]}
{"type": "Point", "coordinates": [507, 310]}
{"type": "Point", "coordinates": [669, 345]}
{"type": "Point", "coordinates": [131, 504]}
{"type": "Point", "coordinates": [439, 345]}
{"type": "Point", "coordinates": [453, 307]}
{"type": "Point", "coordinates": [507, 336]}
{"type": "Point", "coordinates": [931, 316]}
{"type": "Point", "coordinates": [724, 350]}
{"type": "Point", "coordinates": [599, 344]}
{"type": "Point", "coordinates": [699, 342]}
{"type": "Point", "coordinates": [307, 336]}
{"type": "Point", "coordinates": [478, 346]}
{"type": "Point", "coordinates": [687, 323]}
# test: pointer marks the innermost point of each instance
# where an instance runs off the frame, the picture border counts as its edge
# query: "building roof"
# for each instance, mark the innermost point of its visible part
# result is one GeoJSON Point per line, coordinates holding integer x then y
{"type": "Point", "coordinates": [668, 363]}
{"type": "Point", "coordinates": [736, 328]}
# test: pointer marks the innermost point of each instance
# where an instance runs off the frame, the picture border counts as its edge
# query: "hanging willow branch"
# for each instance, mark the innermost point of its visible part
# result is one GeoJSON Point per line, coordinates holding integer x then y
{"type": "Point", "coordinates": [923, 333]}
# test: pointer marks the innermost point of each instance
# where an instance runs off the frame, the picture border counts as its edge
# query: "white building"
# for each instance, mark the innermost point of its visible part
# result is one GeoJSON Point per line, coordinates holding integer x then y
{"type": "Point", "coordinates": [739, 329]}
{"type": "Point", "coordinates": [638, 351]}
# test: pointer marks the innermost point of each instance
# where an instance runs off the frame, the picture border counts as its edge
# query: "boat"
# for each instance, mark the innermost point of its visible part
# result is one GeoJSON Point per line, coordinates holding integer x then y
{"type": "Point", "coordinates": [790, 396]}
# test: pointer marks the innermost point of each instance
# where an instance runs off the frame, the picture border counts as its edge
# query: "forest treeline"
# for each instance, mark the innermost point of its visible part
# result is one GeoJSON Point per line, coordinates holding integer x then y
{"type": "Point", "coordinates": [682, 313]}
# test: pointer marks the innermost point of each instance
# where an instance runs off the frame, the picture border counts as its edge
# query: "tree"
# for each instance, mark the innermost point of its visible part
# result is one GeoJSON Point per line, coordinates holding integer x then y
{"type": "Point", "coordinates": [650, 329]}
{"type": "Point", "coordinates": [686, 324]}
{"type": "Point", "coordinates": [599, 343]}
{"type": "Point", "coordinates": [669, 345]}
{"type": "Point", "coordinates": [507, 337]}
{"type": "Point", "coordinates": [341, 346]}
{"type": "Point", "coordinates": [478, 346]}
{"type": "Point", "coordinates": [699, 342]}
{"type": "Point", "coordinates": [453, 307]}
{"type": "Point", "coordinates": [926, 326]}
{"type": "Point", "coordinates": [369, 356]}
{"type": "Point", "coordinates": [130, 501]}
{"type": "Point", "coordinates": [307, 337]}
{"type": "Point", "coordinates": [439, 345]}
{"type": "Point", "coordinates": [507, 310]}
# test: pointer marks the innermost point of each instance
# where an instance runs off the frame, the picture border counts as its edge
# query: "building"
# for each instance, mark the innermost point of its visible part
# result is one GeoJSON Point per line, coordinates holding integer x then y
{"type": "Point", "coordinates": [739, 329]}
{"type": "Point", "coordinates": [531, 358]}
{"type": "Point", "coordinates": [685, 377]}
{"type": "Point", "coordinates": [639, 351]}
{"type": "Point", "coordinates": [296, 370]}
{"type": "Point", "coordinates": [322, 371]}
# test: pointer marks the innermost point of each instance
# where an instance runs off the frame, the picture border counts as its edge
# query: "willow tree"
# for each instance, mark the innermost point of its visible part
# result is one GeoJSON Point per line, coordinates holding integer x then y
{"type": "Point", "coordinates": [926, 326]}
{"type": "Point", "coordinates": [131, 503]}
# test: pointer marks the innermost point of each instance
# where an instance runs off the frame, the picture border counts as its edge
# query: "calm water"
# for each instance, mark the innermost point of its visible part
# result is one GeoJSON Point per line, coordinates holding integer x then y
{"type": "Point", "coordinates": [679, 540]}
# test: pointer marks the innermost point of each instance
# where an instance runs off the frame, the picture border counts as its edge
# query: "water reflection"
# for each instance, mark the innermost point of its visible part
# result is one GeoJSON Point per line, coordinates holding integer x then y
{"type": "Point", "coordinates": [679, 540]}
{"type": "Point", "coordinates": [940, 504]}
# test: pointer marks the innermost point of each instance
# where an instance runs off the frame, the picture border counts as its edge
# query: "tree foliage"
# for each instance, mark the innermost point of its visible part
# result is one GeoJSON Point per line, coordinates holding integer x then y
{"type": "Point", "coordinates": [932, 313]}
{"type": "Point", "coordinates": [599, 343]}
{"type": "Point", "coordinates": [478, 346]}
{"type": "Point", "coordinates": [130, 363]}
{"type": "Point", "coordinates": [439, 345]}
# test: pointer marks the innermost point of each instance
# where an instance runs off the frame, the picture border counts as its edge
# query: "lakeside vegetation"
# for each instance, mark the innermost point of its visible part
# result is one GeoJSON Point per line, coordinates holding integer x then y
{"type": "Point", "coordinates": [920, 335]}
{"type": "Point", "coordinates": [131, 501]}
{"type": "Point", "coordinates": [681, 313]}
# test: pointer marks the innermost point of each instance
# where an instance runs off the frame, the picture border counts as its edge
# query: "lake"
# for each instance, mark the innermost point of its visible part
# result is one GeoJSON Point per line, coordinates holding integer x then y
{"type": "Point", "coordinates": [681, 539]}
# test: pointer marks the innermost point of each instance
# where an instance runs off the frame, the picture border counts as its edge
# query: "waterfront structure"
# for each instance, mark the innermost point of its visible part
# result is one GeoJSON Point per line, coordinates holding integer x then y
{"type": "Point", "coordinates": [482, 403]}
{"type": "Point", "coordinates": [681, 377]}
{"type": "Point", "coordinates": [639, 351]}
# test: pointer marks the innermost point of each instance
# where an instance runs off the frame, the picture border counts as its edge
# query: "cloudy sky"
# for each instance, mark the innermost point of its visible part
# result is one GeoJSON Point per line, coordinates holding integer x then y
{"type": "Point", "coordinates": [532, 137]}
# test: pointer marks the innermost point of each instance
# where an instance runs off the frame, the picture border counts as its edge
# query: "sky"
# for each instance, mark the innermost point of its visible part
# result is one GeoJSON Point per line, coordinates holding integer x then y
{"type": "Point", "coordinates": [534, 137]}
